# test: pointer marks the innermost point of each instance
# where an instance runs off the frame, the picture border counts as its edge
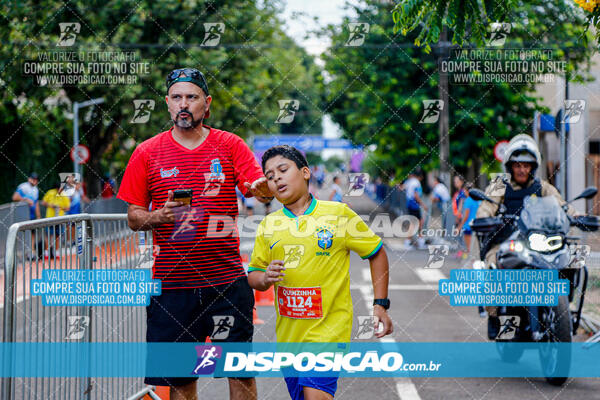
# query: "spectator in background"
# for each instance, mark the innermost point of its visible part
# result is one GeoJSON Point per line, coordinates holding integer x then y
{"type": "Point", "coordinates": [469, 210]}
{"type": "Point", "coordinates": [29, 193]}
{"type": "Point", "coordinates": [414, 201]}
{"type": "Point", "coordinates": [109, 187]}
{"type": "Point", "coordinates": [337, 193]}
{"type": "Point", "coordinates": [56, 205]}
{"type": "Point", "coordinates": [426, 198]}
{"type": "Point", "coordinates": [380, 189]}
{"type": "Point", "coordinates": [320, 175]}
{"type": "Point", "coordinates": [440, 195]}
{"type": "Point", "coordinates": [459, 196]}
{"type": "Point", "coordinates": [457, 201]}
{"type": "Point", "coordinates": [268, 206]}
{"type": "Point", "coordinates": [77, 198]}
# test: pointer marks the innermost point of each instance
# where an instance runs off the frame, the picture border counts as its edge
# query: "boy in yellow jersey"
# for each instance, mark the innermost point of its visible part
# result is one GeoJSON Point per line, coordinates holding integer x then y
{"type": "Point", "coordinates": [56, 205]}
{"type": "Point", "coordinates": [303, 249]}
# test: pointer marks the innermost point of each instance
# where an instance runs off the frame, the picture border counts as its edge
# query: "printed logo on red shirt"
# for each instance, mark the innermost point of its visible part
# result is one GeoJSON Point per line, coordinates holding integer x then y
{"type": "Point", "coordinates": [166, 173]}
{"type": "Point", "coordinates": [216, 170]}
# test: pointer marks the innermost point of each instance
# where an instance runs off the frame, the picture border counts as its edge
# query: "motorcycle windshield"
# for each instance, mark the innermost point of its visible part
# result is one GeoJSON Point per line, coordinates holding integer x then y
{"type": "Point", "coordinates": [544, 214]}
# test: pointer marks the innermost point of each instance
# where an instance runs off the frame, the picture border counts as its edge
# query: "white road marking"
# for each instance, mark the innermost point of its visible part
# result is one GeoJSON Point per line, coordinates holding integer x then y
{"type": "Point", "coordinates": [366, 273]}
{"type": "Point", "coordinates": [406, 389]}
{"type": "Point", "coordinates": [429, 274]}
{"type": "Point", "coordinates": [397, 287]}
{"type": "Point", "coordinates": [394, 245]}
{"type": "Point", "coordinates": [246, 247]}
{"type": "Point", "coordinates": [404, 386]}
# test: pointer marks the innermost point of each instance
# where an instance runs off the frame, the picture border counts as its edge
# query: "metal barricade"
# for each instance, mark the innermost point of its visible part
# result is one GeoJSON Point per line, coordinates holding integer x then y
{"type": "Point", "coordinates": [84, 241]}
{"type": "Point", "coordinates": [9, 214]}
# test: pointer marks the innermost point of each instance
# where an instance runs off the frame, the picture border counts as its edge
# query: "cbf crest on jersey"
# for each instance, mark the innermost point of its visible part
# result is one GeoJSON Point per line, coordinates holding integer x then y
{"type": "Point", "coordinates": [324, 237]}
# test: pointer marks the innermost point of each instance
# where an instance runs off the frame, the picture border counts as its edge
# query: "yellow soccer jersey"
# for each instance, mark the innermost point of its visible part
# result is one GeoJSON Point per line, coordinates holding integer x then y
{"type": "Point", "coordinates": [313, 301]}
{"type": "Point", "coordinates": [55, 200]}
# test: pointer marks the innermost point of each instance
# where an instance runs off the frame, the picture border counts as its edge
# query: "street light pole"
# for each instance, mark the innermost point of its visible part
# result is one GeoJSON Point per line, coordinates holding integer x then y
{"type": "Point", "coordinates": [444, 113]}
{"type": "Point", "coordinates": [76, 107]}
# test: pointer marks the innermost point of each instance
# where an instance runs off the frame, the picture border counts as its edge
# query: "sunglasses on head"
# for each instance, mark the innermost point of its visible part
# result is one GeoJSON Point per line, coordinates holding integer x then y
{"type": "Point", "coordinates": [189, 75]}
{"type": "Point", "coordinates": [188, 72]}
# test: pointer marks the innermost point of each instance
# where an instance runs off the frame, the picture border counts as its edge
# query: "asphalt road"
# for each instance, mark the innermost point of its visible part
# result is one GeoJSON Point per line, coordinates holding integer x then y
{"type": "Point", "coordinates": [419, 315]}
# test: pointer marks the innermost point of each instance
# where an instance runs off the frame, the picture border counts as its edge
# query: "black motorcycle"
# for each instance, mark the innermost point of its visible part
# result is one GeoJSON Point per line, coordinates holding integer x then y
{"type": "Point", "coordinates": [539, 240]}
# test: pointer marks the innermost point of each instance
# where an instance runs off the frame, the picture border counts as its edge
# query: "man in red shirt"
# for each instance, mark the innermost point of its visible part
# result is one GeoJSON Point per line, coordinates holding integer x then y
{"type": "Point", "coordinates": [203, 279]}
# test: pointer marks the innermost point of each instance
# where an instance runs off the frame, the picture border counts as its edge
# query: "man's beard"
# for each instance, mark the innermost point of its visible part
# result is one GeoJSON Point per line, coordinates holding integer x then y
{"type": "Point", "coordinates": [189, 123]}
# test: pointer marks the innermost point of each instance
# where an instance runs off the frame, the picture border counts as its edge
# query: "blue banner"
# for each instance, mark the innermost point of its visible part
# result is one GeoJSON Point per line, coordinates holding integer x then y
{"type": "Point", "coordinates": [360, 359]}
{"type": "Point", "coordinates": [495, 287]}
{"type": "Point", "coordinates": [98, 287]}
{"type": "Point", "coordinates": [301, 142]}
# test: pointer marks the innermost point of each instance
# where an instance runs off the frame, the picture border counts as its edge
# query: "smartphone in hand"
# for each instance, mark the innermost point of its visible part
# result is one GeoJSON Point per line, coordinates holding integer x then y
{"type": "Point", "coordinates": [184, 196]}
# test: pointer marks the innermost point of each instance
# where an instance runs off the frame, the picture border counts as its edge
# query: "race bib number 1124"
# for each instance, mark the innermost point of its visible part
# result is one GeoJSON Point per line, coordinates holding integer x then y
{"type": "Point", "coordinates": [301, 303]}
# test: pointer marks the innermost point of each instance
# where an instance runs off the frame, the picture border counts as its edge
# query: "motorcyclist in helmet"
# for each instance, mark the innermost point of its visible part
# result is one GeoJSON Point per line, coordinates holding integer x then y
{"type": "Point", "coordinates": [521, 161]}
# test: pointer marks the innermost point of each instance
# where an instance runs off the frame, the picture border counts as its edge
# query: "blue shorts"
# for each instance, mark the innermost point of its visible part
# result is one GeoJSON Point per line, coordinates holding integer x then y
{"type": "Point", "coordinates": [296, 385]}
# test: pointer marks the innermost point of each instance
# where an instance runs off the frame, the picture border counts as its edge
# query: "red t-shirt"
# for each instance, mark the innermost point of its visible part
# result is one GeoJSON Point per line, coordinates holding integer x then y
{"type": "Point", "coordinates": [188, 257]}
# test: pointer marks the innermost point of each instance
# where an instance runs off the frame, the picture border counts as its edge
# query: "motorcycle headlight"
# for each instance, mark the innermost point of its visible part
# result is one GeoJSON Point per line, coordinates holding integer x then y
{"type": "Point", "coordinates": [542, 243]}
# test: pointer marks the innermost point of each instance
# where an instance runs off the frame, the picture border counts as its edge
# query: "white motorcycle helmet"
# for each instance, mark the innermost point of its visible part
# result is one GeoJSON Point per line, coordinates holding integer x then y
{"type": "Point", "coordinates": [522, 148]}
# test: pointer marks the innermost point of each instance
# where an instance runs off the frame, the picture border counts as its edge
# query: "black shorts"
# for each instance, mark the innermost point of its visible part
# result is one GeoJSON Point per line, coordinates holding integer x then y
{"type": "Point", "coordinates": [224, 313]}
{"type": "Point", "coordinates": [415, 212]}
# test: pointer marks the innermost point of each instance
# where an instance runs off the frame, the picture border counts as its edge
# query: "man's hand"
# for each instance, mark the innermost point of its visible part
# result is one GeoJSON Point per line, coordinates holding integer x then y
{"type": "Point", "coordinates": [260, 189]}
{"type": "Point", "coordinates": [273, 273]}
{"type": "Point", "coordinates": [381, 315]}
{"type": "Point", "coordinates": [139, 218]}
{"type": "Point", "coordinates": [28, 201]}
{"type": "Point", "coordinates": [168, 213]}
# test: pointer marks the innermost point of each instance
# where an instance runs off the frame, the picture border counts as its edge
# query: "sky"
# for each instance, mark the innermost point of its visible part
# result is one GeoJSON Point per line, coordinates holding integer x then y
{"type": "Point", "coordinates": [327, 12]}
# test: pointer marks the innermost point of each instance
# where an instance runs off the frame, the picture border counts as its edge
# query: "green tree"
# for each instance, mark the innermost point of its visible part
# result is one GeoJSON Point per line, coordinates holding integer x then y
{"type": "Point", "coordinates": [254, 65]}
{"type": "Point", "coordinates": [469, 19]}
{"type": "Point", "coordinates": [376, 93]}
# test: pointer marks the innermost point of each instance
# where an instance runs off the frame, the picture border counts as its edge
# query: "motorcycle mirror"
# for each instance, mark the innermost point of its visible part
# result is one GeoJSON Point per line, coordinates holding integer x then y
{"type": "Point", "coordinates": [587, 193]}
{"type": "Point", "coordinates": [479, 195]}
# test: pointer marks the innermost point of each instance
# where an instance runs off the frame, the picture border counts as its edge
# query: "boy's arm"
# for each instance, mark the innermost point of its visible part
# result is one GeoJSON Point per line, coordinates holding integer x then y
{"type": "Point", "coordinates": [263, 280]}
{"type": "Point", "coordinates": [255, 279]}
{"type": "Point", "coordinates": [380, 274]}
{"type": "Point", "coordinates": [362, 240]}
{"type": "Point", "coordinates": [262, 274]}
{"type": "Point", "coordinates": [380, 277]}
